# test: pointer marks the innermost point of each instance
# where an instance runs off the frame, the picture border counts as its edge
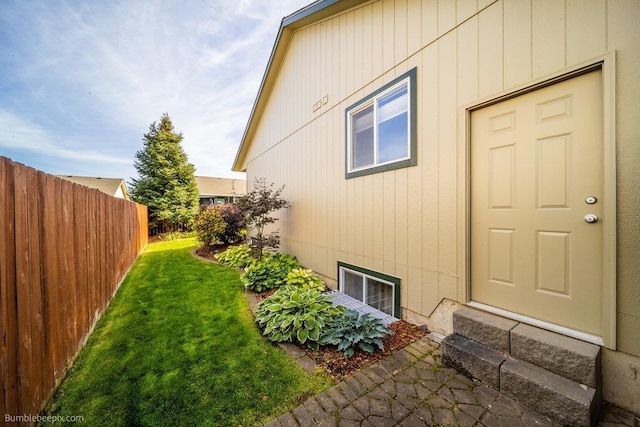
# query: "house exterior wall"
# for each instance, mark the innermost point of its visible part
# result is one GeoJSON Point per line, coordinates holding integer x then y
{"type": "Point", "coordinates": [120, 193]}
{"type": "Point", "coordinates": [409, 222]}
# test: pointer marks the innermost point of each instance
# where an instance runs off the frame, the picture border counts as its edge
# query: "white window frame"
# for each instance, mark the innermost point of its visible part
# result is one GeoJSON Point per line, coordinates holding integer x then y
{"type": "Point", "coordinates": [408, 79]}
{"type": "Point", "coordinates": [394, 283]}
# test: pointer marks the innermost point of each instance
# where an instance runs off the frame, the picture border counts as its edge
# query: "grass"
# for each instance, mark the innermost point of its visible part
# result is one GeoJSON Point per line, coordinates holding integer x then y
{"type": "Point", "coordinates": [178, 346]}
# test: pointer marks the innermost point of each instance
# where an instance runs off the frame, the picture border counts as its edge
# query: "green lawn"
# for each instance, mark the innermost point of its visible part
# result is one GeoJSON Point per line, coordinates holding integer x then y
{"type": "Point", "coordinates": [178, 346]}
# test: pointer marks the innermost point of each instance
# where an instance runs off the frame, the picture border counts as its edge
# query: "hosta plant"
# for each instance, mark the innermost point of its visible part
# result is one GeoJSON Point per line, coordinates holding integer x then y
{"type": "Point", "coordinates": [305, 279]}
{"type": "Point", "coordinates": [353, 330]}
{"type": "Point", "coordinates": [270, 272]}
{"type": "Point", "coordinates": [236, 256]}
{"type": "Point", "coordinates": [295, 315]}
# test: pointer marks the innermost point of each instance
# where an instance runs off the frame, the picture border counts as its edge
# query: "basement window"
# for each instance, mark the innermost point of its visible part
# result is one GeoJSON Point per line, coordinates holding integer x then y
{"type": "Point", "coordinates": [381, 128]}
{"type": "Point", "coordinates": [375, 289]}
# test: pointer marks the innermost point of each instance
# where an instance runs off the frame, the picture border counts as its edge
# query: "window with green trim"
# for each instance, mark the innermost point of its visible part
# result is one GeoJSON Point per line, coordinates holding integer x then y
{"type": "Point", "coordinates": [377, 290]}
{"type": "Point", "coordinates": [381, 128]}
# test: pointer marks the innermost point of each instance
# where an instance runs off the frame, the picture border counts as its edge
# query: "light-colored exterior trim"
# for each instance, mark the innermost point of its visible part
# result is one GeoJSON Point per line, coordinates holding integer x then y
{"type": "Point", "coordinates": [607, 64]}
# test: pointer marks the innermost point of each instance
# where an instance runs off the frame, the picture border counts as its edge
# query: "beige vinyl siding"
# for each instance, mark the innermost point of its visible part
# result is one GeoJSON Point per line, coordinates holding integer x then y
{"type": "Point", "coordinates": [408, 222]}
{"type": "Point", "coordinates": [623, 34]}
{"type": "Point", "coordinates": [517, 42]}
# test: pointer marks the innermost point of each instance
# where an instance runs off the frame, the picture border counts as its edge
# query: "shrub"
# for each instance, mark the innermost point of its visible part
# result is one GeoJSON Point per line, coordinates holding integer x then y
{"type": "Point", "coordinates": [305, 279]}
{"type": "Point", "coordinates": [353, 330]}
{"type": "Point", "coordinates": [295, 315]}
{"type": "Point", "coordinates": [234, 223]}
{"type": "Point", "coordinates": [270, 272]}
{"type": "Point", "coordinates": [209, 226]}
{"type": "Point", "coordinates": [236, 256]}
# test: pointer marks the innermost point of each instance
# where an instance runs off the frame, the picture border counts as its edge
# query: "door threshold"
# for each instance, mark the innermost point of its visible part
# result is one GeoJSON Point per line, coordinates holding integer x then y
{"type": "Point", "coordinates": [582, 336]}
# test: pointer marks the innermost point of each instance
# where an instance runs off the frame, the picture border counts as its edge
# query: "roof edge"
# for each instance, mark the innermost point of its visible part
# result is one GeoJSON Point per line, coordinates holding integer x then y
{"type": "Point", "coordinates": [306, 12]}
{"type": "Point", "coordinates": [314, 12]}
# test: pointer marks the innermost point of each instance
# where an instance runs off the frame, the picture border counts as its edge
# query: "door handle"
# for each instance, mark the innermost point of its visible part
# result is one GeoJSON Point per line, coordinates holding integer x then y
{"type": "Point", "coordinates": [591, 218]}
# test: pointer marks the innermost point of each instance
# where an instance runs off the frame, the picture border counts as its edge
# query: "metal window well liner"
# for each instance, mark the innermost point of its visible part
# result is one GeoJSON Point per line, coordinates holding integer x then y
{"type": "Point", "coordinates": [346, 301]}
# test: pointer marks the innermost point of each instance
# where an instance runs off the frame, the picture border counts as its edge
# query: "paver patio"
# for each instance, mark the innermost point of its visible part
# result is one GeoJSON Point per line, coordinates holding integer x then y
{"type": "Point", "coordinates": [412, 387]}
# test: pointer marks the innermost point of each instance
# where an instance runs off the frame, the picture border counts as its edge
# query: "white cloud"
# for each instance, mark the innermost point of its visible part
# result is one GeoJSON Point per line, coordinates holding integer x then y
{"type": "Point", "coordinates": [17, 133]}
{"type": "Point", "coordinates": [97, 74]}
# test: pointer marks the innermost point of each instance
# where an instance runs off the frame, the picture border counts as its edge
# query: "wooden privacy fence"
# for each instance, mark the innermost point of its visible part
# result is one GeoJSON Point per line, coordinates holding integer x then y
{"type": "Point", "coordinates": [64, 250]}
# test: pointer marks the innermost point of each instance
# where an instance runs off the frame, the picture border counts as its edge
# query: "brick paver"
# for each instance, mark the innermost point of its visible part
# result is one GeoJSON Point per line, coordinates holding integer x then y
{"type": "Point", "coordinates": [413, 387]}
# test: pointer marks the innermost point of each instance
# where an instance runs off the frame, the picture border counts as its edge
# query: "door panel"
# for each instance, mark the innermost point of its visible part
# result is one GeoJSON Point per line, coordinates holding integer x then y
{"type": "Point", "coordinates": [535, 159]}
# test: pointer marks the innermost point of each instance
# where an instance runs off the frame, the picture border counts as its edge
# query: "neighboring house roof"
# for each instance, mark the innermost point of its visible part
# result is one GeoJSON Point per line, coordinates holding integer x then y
{"type": "Point", "coordinates": [209, 186]}
{"type": "Point", "coordinates": [314, 12]}
{"type": "Point", "coordinates": [115, 187]}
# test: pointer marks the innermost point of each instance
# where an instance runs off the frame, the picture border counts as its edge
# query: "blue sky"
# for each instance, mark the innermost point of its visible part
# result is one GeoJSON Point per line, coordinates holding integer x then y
{"type": "Point", "coordinates": [82, 81]}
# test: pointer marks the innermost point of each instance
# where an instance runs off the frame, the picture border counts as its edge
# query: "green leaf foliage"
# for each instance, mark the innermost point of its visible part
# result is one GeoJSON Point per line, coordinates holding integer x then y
{"type": "Point", "coordinates": [292, 314]}
{"type": "Point", "coordinates": [353, 330]}
{"type": "Point", "coordinates": [305, 279]}
{"type": "Point", "coordinates": [209, 226]}
{"type": "Point", "coordinates": [258, 205]}
{"type": "Point", "coordinates": [166, 183]}
{"type": "Point", "coordinates": [218, 224]}
{"type": "Point", "coordinates": [236, 256]}
{"type": "Point", "coordinates": [234, 223]}
{"type": "Point", "coordinates": [270, 272]}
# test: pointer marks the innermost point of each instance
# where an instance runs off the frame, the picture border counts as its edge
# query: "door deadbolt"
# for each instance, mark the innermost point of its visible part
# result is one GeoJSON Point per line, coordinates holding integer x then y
{"type": "Point", "coordinates": [591, 200]}
{"type": "Point", "coordinates": [591, 218]}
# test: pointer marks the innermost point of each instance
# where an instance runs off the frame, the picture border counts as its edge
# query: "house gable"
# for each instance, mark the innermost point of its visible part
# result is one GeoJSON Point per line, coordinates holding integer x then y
{"type": "Point", "coordinates": [115, 187]}
{"type": "Point", "coordinates": [314, 12]}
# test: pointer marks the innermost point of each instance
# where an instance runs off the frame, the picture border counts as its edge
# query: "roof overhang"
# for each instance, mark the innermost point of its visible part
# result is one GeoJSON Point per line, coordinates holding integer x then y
{"type": "Point", "coordinates": [314, 12]}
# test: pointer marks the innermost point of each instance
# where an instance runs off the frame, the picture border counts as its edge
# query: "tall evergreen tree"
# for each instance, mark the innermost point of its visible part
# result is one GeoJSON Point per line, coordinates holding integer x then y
{"type": "Point", "coordinates": [167, 184]}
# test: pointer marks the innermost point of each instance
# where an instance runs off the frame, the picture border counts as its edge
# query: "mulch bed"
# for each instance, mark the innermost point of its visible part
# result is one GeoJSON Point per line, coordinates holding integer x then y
{"type": "Point", "coordinates": [205, 252]}
{"type": "Point", "coordinates": [335, 362]}
{"type": "Point", "coordinates": [340, 366]}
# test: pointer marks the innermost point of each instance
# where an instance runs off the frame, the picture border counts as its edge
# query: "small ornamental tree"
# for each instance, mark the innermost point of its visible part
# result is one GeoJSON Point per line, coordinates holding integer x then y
{"type": "Point", "coordinates": [258, 206]}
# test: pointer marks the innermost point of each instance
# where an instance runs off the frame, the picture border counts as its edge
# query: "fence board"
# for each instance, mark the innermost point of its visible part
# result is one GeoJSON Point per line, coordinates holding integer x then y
{"type": "Point", "coordinates": [25, 351]}
{"type": "Point", "coordinates": [80, 250]}
{"type": "Point", "coordinates": [68, 270]}
{"type": "Point", "coordinates": [35, 290]}
{"type": "Point", "coordinates": [8, 304]}
{"type": "Point", "coordinates": [92, 264]}
{"type": "Point", "coordinates": [64, 250]}
{"type": "Point", "coordinates": [62, 273]}
{"type": "Point", "coordinates": [51, 283]}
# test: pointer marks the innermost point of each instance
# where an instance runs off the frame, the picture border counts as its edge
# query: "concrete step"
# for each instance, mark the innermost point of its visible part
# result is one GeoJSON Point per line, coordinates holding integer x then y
{"type": "Point", "coordinates": [555, 375]}
{"type": "Point", "coordinates": [564, 400]}
{"type": "Point", "coordinates": [475, 359]}
{"type": "Point", "coordinates": [571, 358]}
{"type": "Point", "coordinates": [485, 328]}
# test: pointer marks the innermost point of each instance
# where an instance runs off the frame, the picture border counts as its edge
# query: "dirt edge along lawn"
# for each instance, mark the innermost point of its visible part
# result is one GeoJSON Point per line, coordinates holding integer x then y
{"type": "Point", "coordinates": [177, 346]}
